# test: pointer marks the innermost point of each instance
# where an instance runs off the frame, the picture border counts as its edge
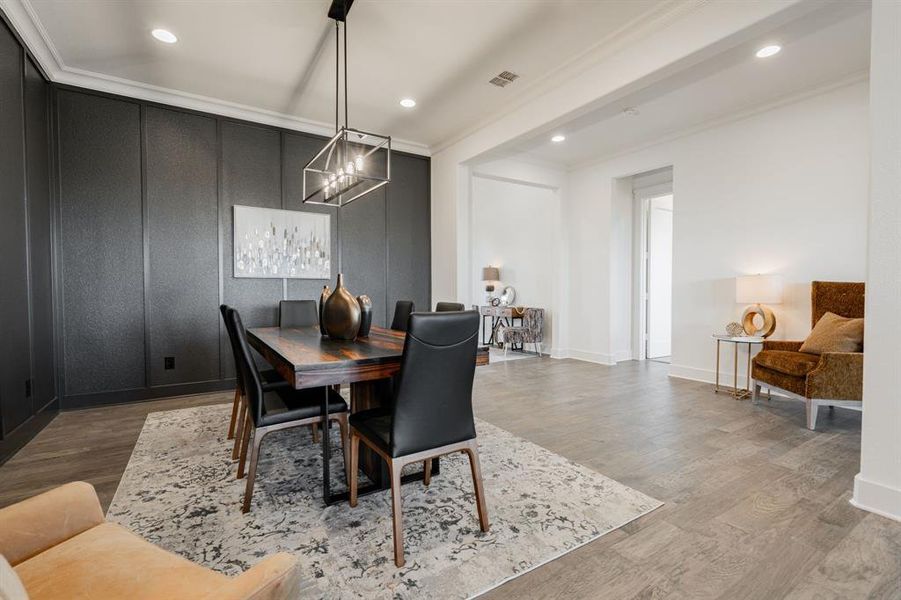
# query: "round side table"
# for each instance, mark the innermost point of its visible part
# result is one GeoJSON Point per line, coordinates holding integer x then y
{"type": "Point", "coordinates": [736, 341]}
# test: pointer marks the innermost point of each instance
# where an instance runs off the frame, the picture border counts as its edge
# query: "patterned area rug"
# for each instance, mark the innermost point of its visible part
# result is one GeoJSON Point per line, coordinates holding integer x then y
{"type": "Point", "coordinates": [179, 491]}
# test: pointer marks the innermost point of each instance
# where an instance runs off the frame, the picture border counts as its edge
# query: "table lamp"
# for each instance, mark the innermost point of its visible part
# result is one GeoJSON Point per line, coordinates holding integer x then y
{"type": "Point", "coordinates": [490, 275]}
{"type": "Point", "coordinates": [758, 290]}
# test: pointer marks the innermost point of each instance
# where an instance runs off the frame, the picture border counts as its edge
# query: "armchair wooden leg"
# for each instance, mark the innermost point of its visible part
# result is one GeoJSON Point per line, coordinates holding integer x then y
{"type": "Point", "coordinates": [812, 407]}
{"type": "Point", "coordinates": [239, 427]}
{"type": "Point", "coordinates": [354, 457]}
{"type": "Point", "coordinates": [427, 471]}
{"type": "Point", "coordinates": [395, 469]}
{"type": "Point", "coordinates": [231, 423]}
{"type": "Point", "coordinates": [473, 453]}
{"type": "Point", "coordinates": [252, 471]}
{"type": "Point", "coordinates": [315, 429]}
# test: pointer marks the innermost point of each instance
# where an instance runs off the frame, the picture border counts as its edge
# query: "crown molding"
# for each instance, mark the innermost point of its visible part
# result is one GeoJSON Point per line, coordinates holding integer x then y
{"type": "Point", "coordinates": [740, 115]}
{"type": "Point", "coordinates": [641, 27]}
{"type": "Point", "coordinates": [25, 21]}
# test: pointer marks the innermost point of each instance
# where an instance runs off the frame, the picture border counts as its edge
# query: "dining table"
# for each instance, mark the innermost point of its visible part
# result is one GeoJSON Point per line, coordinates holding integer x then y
{"type": "Point", "coordinates": [307, 359]}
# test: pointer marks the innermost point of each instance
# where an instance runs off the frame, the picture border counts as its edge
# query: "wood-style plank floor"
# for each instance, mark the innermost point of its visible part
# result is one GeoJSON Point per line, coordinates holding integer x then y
{"type": "Point", "coordinates": [756, 505]}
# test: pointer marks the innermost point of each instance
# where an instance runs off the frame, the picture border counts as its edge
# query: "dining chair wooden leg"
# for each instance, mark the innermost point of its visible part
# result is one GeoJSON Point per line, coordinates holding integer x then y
{"type": "Point", "coordinates": [354, 457]}
{"type": "Point", "coordinates": [239, 427]}
{"type": "Point", "coordinates": [315, 429]}
{"type": "Point", "coordinates": [231, 423]}
{"type": "Point", "coordinates": [245, 441]}
{"type": "Point", "coordinates": [427, 471]}
{"type": "Point", "coordinates": [342, 425]}
{"type": "Point", "coordinates": [395, 469]}
{"type": "Point", "coordinates": [252, 470]}
{"type": "Point", "coordinates": [473, 452]}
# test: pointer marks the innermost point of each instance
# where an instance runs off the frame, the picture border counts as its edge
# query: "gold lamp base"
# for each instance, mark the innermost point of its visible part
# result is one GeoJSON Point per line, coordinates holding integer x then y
{"type": "Point", "coordinates": [766, 314]}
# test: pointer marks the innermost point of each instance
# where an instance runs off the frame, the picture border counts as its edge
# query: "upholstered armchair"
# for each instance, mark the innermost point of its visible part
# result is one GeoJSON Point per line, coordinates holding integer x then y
{"type": "Point", "coordinates": [530, 332]}
{"type": "Point", "coordinates": [828, 379]}
{"type": "Point", "coordinates": [60, 546]}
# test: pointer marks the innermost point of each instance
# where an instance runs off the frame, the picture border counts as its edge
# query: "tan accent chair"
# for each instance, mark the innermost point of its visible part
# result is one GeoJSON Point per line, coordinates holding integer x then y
{"type": "Point", "coordinates": [828, 379]}
{"type": "Point", "coordinates": [60, 546]}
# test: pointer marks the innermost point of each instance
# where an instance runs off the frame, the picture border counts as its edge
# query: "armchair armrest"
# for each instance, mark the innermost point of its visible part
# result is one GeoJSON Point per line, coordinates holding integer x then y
{"type": "Point", "coordinates": [838, 376]}
{"type": "Point", "coordinates": [790, 346]}
{"type": "Point", "coordinates": [276, 577]}
{"type": "Point", "coordinates": [39, 523]}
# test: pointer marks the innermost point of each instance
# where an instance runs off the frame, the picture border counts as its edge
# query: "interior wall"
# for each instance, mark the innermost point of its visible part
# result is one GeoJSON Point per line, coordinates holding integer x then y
{"type": "Point", "coordinates": [28, 397]}
{"type": "Point", "coordinates": [777, 192]}
{"type": "Point", "coordinates": [510, 231]}
{"type": "Point", "coordinates": [146, 197]}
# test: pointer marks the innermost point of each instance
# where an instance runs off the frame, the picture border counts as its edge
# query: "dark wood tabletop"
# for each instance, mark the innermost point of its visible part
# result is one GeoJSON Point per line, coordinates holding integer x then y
{"type": "Point", "coordinates": [307, 359]}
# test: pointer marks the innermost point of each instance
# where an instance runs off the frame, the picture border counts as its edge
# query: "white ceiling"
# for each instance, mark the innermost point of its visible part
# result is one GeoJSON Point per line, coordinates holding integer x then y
{"type": "Point", "coordinates": [818, 50]}
{"type": "Point", "coordinates": [278, 56]}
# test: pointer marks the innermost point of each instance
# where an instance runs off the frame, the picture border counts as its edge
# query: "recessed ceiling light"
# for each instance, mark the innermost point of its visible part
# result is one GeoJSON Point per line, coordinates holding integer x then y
{"type": "Point", "coordinates": [408, 102]}
{"type": "Point", "coordinates": [165, 36]}
{"type": "Point", "coordinates": [631, 111]}
{"type": "Point", "coordinates": [558, 138]}
{"type": "Point", "coordinates": [768, 51]}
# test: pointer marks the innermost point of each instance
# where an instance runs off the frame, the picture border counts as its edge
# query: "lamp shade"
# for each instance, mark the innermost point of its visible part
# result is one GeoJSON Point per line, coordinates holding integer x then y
{"type": "Point", "coordinates": [491, 274]}
{"type": "Point", "coordinates": [758, 289]}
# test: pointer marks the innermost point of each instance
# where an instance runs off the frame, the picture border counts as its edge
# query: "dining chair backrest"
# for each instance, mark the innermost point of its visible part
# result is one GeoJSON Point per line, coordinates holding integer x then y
{"type": "Point", "coordinates": [246, 366]}
{"type": "Point", "coordinates": [298, 313]}
{"type": "Point", "coordinates": [239, 376]}
{"type": "Point", "coordinates": [449, 307]}
{"type": "Point", "coordinates": [402, 311]}
{"type": "Point", "coordinates": [433, 392]}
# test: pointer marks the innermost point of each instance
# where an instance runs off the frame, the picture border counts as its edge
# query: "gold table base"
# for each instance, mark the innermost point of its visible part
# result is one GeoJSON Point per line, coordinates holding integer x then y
{"type": "Point", "coordinates": [735, 391]}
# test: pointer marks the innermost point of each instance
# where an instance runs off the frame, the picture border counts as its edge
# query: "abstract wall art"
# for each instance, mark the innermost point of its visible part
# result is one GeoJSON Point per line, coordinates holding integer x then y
{"type": "Point", "coordinates": [282, 244]}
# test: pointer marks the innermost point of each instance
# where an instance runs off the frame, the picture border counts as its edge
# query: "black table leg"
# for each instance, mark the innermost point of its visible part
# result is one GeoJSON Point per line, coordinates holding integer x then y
{"type": "Point", "coordinates": [326, 450]}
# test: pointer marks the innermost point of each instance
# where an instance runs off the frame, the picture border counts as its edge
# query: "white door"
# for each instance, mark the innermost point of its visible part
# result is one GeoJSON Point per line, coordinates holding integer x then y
{"type": "Point", "coordinates": [660, 277]}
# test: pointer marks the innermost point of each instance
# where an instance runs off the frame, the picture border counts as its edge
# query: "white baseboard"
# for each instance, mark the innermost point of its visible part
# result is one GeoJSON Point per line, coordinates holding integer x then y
{"type": "Point", "coordinates": [708, 376]}
{"type": "Point", "coordinates": [702, 375]}
{"type": "Point", "coordinates": [877, 498]}
{"type": "Point", "coordinates": [592, 357]}
{"type": "Point", "coordinates": [621, 355]}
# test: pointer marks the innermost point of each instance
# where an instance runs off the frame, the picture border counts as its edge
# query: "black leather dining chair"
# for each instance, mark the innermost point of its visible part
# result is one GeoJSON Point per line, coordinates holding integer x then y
{"type": "Point", "coordinates": [298, 313]}
{"type": "Point", "coordinates": [449, 307]}
{"type": "Point", "coordinates": [274, 410]}
{"type": "Point", "coordinates": [271, 379]}
{"type": "Point", "coordinates": [402, 311]}
{"type": "Point", "coordinates": [431, 411]}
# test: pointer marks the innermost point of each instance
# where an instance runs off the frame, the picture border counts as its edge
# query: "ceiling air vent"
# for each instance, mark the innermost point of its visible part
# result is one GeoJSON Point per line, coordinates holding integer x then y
{"type": "Point", "coordinates": [504, 78]}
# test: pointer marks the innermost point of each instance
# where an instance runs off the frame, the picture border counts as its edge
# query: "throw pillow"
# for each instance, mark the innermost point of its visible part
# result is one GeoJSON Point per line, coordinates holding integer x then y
{"type": "Point", "coordinates": [10, 585]}
{"type": "Point", "coordinates": [833, 333]}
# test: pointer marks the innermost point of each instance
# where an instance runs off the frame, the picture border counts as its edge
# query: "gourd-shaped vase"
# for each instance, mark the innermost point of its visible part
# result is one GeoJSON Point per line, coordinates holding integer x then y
{"type": "Point", "coordinates": [341, 313]}
{"type": "Point", "coordinates": [326, 292]}
{"type": "Point", "coordinates": [365, 315]}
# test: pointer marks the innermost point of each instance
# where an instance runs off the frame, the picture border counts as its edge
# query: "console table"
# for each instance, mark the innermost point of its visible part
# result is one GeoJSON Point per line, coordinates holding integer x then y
{"type": "Point", "coordinates": [498, 315]}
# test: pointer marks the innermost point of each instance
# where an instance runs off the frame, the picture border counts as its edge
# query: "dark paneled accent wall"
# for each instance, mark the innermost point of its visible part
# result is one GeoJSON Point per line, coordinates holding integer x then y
{"type": "Point", "coordinates": [102, 253]}
{"type": "Point", "coordinates": [146, 197]}
{"type": "Point", "coordinates": [27, 371]}
{"type": "Point", "coordinates": [183, 259]}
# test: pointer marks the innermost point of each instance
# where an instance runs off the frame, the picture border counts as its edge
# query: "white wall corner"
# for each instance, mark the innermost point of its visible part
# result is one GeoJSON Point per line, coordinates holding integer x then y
{"type": "Point", "coordinates": [877, 498]}
{"type": "Point", "coordinates": [877, 487]}
{"type": "Point", "coordinates": [621, 355]}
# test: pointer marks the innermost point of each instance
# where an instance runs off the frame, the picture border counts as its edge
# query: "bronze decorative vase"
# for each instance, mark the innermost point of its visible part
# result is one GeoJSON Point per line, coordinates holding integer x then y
{"type": "Point", "coordinates": [365, 315]}
{"type": "Point", "coordinates": [341, 313]}
{"type": "Point", "coordinates": [326, 292]}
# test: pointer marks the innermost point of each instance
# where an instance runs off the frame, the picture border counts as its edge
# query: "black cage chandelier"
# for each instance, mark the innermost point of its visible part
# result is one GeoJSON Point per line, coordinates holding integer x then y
{"type": "Point", "coordinates": [350, 165]}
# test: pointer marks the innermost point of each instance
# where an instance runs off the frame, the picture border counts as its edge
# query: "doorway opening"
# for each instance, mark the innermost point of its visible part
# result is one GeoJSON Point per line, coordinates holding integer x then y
{"type": "Point", "coordinates": [653, 195]}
